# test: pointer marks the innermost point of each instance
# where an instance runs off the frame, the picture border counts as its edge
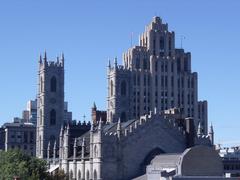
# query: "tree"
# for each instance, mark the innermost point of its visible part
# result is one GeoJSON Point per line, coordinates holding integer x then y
{"type": "Point", "coordinates": [15, 163]}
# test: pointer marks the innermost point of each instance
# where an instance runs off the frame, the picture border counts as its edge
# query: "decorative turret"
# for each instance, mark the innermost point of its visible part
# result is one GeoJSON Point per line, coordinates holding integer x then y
{"type": "Point", "coordinates": [48, 150]}
{"type": "Point", "coordinates": [109, 63]}
{"type": "Point", "coordinates": [40, 59]}
{"type": "Point", "coordinates": [115, 62]}
{"type": "Point", "coordinates": [55, 150]}
{"type": "Point", "coordinates": [119, 128]}
{"type": "Point", "coordinates": [199, 131]}
{"type": "Point", "coordinates": [75, 148]}
{"type": "Point", "coordinates": [45, 56]}
{"type": "Point", "coordinates": [62, 59]}
{"type": "Point", "coordinates": [211, 134]}
{"type": "Point", "coordinates": [66, 139]}
{"type": "Point", "coordinates": [83, 147]}
{"type": "Point", "coordinates": [100, 124]}
{"type": "Point", "coordinates": [61, 142]}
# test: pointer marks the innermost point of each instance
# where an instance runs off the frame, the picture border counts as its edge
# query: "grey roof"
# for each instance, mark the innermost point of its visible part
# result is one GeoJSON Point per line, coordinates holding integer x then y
{"type": "Point", "coordinates": [169, 160]}
{"type": "Point", "coordinates": [18, 125]}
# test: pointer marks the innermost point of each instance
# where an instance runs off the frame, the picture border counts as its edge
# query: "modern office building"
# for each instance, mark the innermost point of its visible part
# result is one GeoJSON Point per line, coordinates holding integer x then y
{"type": "Point", "coordinates": [18, 135]}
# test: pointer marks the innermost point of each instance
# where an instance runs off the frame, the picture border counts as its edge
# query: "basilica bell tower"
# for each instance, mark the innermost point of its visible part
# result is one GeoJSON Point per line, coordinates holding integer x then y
{"type": "Point", "coordinates": [50, 103]}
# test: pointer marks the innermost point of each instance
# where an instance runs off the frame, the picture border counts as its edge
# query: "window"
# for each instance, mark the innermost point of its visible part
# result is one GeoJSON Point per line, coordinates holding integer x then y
{"type": "Point", "coordinates": [123, 117]}
{"type": "Point", "coordinates": [111, 88]}
{"type": "Point", "coordinates": [25, 137]}
{"type": "Point", "coordinates": [71, 175]}
{"type": "Point", "coordinates": [95, 175]}
{"type": "Point", "coordinates": [145, 64]}
{"type": "Point", "coordinates": [41, 117]}
{"type": "Point", "coordinates": [95, 151]}
{"type": "Point", "coordinates": [161, 43]}
{"type": "Point", "coordinates": [123, 88]}
{"type": "Point", "coordinates": [137, 63]}
{"type": "Point", "coordinates": [41, 85]}
{"type": "Point", "coordinates": [156, 66]}
{"type": "Point", "coordinates": [87, 175]}
{"type": "Point", "coordinates": [53, 84]}
{"type": "Point", "coordinates": [52, 117]}
{"type": "Point", "coordinates": [79, 175]}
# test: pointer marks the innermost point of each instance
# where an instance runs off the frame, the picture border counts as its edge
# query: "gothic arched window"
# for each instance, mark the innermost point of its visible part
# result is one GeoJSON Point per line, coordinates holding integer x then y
{"type": "Point", "coordinates": [111, 88]}
{"type": "Point", "coordinates": [79, 175]}
{"type": "Point", "coordinates": [52, 117]}
{"type": "Point", "coordinates": [123, 88]}
{"type": "Point", "coordinates": [41, 85]}
{"type": "Point", "coordinates": [87, 175]}
{"type": "Point", "coordinates": [41, 117]}
{"type": "Point", "coordinates": [71, 175]}
{"type": "Point", "coordinates": [53, 84]}
{"type": "Point", "coordinates": [95, 175]}
{"type": "Point", "coordinates": [95, 151]}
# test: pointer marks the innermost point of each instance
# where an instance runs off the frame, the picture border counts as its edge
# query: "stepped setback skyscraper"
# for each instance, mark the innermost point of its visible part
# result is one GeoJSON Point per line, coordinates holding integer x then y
{"type": "Point", "coordinates": [154, 75]}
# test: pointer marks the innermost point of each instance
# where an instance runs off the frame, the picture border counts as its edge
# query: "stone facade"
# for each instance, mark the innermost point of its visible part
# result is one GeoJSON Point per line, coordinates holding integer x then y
{"type": "Point", "coordinates": [123, 150]}
{"type": "Point", "coordinates": [50, 103]}
{"type": "Point", "coordinates": [154, 74]}
{"type": "Point", "coordinates": [18, 136]}
{"type": "Point", "coordinates": [153, 109]}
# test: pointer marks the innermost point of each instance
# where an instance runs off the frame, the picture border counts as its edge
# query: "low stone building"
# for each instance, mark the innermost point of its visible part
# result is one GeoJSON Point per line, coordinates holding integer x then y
{"type": "Point", "coordinates": [123, 150]}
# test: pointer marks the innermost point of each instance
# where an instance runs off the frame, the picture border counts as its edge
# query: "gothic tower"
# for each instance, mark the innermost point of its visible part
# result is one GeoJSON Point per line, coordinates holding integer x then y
{"type": "Point", "coordinates": [50, 103]}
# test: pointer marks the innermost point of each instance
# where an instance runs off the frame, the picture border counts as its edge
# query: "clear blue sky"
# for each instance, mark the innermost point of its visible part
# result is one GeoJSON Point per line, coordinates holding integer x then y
{"type": "Point", "coordinates": [89, 32]}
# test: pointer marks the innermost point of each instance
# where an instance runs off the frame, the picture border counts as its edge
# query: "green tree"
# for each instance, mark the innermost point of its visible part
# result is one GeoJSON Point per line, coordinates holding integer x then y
{"type": "Point", "coordinates": [16, 163]}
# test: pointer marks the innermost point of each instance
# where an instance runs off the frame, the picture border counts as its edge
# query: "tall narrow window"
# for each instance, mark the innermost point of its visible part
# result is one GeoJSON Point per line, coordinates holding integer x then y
{"type": "Point", "coordinates": [137, 63]}
{"type": "Point", "coordinates": [161, 43]}
{"type": "Point", "coordinates": [41, 85]}
{"type": "Point", "coordinates": [53, 84]}
{"type": "Point", "coordinates": [123, 88]}
{"type": "Point", "coordinates": [111, 88]}
{"type": "Point", "coordinates": [41, 117]}
{"type": "Point", "coordinates": [145, 65]}
{"type": "Point", "coordinates": [52, 117]}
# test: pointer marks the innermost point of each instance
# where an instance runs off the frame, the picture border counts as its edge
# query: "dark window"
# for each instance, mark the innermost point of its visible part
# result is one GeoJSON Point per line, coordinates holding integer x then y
{"type": "Point", "coordinates": [41, 84]}
{"type": "Point", "coordinates": [161, 43]}
{"type": "Point", "coordinates": [178, 65]}
{"type": "Point", "coordinates": [185, 64]}
{"type": "Point", "coordinates": [52, 117]}
{"type": "Point", "coordinates": [156, 66]}
{"type": "Point", "coordinates": [25, 137]}
{"type": "Point", "coordinates": [111, 88]}
{"type": "Point", "coordinates": [137, 63]}
{"type": "Point", "coordinates": [145, 65]}
{"type": "Point", "coordinates": [53, 84]}
{"type": "Point", "coordinates": [123, 88]}
{"type": "Point", "coordinates": [144, 80]}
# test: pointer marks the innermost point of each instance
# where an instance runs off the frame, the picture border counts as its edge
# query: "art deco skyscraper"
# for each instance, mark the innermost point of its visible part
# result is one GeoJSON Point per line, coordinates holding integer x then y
{"type": "Point", "coordinates": [154, 74]}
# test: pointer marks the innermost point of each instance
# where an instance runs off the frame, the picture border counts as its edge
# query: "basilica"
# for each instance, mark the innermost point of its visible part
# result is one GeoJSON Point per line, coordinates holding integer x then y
{"type": "Point", "coordinates": [152, 109]}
